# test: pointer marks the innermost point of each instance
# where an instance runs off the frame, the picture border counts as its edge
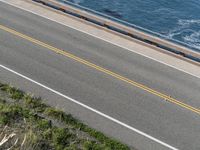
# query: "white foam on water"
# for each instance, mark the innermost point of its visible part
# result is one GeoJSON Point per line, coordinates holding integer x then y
{"type": "Point", "coordinates": [193, 39]}
{"type": "Point", "coordinates": [183, 27]}
{"type": "Point", "coordinates": [188, 22]}
{"type": "Point", "coordinates": [186, 31]}
{"type": "Point", "coordinates": [177, 32]}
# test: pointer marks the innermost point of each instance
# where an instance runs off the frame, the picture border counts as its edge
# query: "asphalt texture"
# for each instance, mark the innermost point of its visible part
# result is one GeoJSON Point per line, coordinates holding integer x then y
{"type": "Point", "coordinates": [168, 122]}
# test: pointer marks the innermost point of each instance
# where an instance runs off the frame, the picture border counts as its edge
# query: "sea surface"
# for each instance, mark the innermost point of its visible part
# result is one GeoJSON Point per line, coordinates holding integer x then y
{"type": "Point", "coordinates": [177, 20]}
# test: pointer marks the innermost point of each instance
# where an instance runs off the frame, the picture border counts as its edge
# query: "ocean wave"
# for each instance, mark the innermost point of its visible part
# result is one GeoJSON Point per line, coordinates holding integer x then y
{"type": "Point", "coordinates": [178, 31]}
{"type": "Point", "coordinates": [185, 22]}
{"type": "Point", "coordinates": [187, 31]}
{"type": "Point", "coordinates": [193, 39]}
{"type": "Point", "coordinates": [175, 21]}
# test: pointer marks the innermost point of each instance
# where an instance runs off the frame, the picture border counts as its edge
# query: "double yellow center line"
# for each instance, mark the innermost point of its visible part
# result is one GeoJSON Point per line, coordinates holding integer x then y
{"type": "Point", "coordinates": [96, 67]}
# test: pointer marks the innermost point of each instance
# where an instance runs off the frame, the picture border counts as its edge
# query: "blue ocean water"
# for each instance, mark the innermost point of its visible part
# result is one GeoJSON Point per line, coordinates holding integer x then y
{"type": "Point", "coordinates": [172, 19]}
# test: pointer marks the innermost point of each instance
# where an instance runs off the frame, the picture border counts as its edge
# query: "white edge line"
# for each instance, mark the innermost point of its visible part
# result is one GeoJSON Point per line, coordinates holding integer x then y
{"type": "Point", "coordinates": [101, 39]}
{"type": "Point", "coordinates": [90, 108]}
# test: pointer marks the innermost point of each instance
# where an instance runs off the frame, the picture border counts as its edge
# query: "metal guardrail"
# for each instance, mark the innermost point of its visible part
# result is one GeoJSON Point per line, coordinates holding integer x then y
{"type": "Point", "coordinates": [130, 30]}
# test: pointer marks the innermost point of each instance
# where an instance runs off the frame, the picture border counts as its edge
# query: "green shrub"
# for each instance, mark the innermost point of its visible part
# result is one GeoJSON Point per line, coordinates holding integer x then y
{"type": "Point", "coordinates": [42, 145]}
{"type": "Point", "coordinates": [4, 87]}
{"type": "Point", "coordinates": [56, 114]}
{"type": "Point", "coordinates": [36, 142]}
{"type": "Point", "coordinates": [15, 93]}
{"type": "Point", "coordinates": [44, 124]}
{"type": "Point", "coordinates": [62, 137]}
{"type": "Point", "coordinates": [71, 147]}
{"type": "Point", "coordinates": [92, 145]}
{"type": "Point", "coordinates": [4, 120]}
{"type": "Point", "coordinates": [47, 134]}
{"type": "Point", "coordinates": [34, 103]}
{"type": "Point", "coordinates": [10, 114]}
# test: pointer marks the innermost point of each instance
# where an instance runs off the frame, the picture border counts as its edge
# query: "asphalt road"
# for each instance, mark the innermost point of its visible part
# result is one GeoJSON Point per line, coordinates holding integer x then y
{"type": "Point", "coordinates": [167, 121]}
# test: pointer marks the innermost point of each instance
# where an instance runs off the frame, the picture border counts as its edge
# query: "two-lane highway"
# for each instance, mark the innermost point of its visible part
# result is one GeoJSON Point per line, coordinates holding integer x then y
{"type": "Point", "coordinates": [151, 97]}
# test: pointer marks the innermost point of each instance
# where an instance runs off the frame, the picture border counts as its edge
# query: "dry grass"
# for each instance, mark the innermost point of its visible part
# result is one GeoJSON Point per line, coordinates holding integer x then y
{"type": "Point", "coordinates": [26, 123]}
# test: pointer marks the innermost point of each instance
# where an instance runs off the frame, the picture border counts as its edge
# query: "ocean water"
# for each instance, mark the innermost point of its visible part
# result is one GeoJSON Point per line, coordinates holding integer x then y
{"type": "Point", "coordinates": [177, 20]}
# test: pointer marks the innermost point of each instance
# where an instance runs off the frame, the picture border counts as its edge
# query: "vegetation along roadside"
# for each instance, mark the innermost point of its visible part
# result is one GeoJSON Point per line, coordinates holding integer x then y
{"type": "Point", "coordinates": [28, 123]}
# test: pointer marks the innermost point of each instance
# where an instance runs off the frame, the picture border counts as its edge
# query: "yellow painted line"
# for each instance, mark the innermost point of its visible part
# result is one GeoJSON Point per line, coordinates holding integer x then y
{"type": "Point", "coordinates": [108, 72]}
